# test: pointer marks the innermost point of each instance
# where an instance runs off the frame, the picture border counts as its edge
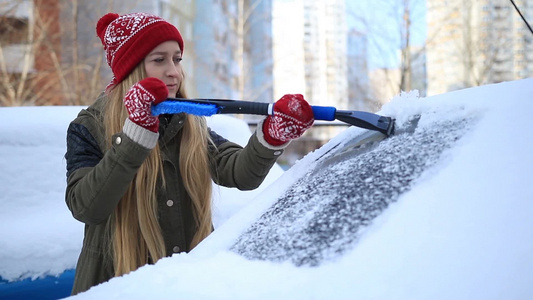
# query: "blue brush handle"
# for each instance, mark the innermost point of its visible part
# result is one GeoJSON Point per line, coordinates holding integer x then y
{"type": "Point", "coordinates": [208, 107]}
{"type": "Point", "coordinates": [223, 106]}
{"type": "Point", "coordinates": [324, 113]}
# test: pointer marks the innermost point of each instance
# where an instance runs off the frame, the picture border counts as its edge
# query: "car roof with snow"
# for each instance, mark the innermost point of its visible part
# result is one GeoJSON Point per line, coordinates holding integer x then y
{"type": "Point", "coordinates": [441, 209]}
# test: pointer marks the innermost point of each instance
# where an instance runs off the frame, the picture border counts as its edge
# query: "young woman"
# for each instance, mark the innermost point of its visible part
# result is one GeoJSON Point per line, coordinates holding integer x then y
{"type": "Point", "coordinates": [142, 184]}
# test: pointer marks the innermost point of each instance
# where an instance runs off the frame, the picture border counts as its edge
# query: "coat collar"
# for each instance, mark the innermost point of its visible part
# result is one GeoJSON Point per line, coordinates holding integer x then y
{"type": "Point", "coordinates": [170, 126]}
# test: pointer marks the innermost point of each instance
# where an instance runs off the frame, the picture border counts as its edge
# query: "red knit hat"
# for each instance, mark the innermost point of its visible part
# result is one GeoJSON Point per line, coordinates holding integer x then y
{"type": "Point", "coordinates": [129, 38]}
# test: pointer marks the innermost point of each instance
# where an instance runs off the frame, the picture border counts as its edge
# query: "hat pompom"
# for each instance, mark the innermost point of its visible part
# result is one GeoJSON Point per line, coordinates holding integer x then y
{"type": "Point", "coordinates": [104, 22]}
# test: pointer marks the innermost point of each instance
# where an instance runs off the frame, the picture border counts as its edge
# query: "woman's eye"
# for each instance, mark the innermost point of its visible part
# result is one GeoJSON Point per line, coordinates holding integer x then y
{"type": "Point", "coordinates": [178, 59]}
{"type": "Point", "coordinates": [159, 59]}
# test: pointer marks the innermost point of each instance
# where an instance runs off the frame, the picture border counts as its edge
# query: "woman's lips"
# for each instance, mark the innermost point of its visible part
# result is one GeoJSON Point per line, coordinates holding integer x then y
{"type": "Point", "coordinates": [172, 87]}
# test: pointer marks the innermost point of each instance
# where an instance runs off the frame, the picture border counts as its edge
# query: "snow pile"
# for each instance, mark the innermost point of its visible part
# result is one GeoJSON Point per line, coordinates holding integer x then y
{"type": "Point", "coordinates": [39, 236]}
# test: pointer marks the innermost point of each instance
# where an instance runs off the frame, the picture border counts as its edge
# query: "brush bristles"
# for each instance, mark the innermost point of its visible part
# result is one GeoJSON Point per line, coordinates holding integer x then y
{"type": "Point", "coordinates": [174, 107]}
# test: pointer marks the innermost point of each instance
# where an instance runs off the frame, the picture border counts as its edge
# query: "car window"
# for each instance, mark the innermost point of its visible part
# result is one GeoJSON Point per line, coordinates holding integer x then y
{"type": "Point", "coordinates": [322, 215]}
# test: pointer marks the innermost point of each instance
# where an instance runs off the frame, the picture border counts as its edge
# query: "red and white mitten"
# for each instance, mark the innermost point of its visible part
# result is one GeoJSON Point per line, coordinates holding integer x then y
{"type": "Point", "coordinates": [292, 117]}
{"type": "Point", "coordinates": [139, 99]}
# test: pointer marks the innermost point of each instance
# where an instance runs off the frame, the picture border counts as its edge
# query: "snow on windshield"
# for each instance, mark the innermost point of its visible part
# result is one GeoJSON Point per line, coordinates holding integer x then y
{"type": "Point", "coordinates": [320, 216]}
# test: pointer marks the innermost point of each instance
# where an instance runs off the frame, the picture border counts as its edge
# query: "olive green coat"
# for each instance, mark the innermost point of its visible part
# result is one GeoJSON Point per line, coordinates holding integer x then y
{"type": "Point", "coordinates": [97, 179]}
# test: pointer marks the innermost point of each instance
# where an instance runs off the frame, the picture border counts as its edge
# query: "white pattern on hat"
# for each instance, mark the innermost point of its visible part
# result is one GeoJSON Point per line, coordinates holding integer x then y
{"type": "Point", "coordinates": [130, 25]}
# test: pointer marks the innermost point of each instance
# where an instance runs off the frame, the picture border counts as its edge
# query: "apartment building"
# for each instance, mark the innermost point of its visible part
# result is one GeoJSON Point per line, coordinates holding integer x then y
{"type": "Point", "coordinates": [472, 43]}
{"type": "Point", "coordinates": [30, 52]}
{"type": "Point", "coordinates": [310, 55]}
{"type": "Point", "coordinates": [233, 49]}
{"type": "Point", "coordinates": [359, 88]}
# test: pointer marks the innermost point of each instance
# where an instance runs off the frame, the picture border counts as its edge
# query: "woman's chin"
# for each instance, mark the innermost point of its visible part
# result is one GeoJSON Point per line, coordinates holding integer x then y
{"type": "Point", "coordinates": [172, 94]}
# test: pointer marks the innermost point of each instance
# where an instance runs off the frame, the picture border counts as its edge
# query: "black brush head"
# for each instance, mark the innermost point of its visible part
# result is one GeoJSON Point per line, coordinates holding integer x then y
{"type": "Point", "coordinates": [367, 120]}
{"type": "Point", "coordinates": [386, 125]}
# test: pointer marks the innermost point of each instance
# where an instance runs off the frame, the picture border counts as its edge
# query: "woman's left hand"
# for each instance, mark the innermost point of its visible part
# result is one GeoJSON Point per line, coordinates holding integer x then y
{"type": "Point", "coordinates": [292, 117]}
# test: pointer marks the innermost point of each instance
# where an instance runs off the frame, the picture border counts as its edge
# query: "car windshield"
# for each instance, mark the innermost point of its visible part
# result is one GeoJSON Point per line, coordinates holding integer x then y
{"type": "Point", "coordinates": [321, 216]}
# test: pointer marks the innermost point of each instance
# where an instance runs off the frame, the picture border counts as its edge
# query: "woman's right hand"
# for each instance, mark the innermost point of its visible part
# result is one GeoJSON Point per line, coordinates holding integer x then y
{"type": "Point", "coordinates": [139, 100]}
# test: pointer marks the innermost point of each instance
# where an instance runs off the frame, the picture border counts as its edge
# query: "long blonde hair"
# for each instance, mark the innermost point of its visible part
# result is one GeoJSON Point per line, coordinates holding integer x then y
{"type": "Point", "coordinates": [136, 237]}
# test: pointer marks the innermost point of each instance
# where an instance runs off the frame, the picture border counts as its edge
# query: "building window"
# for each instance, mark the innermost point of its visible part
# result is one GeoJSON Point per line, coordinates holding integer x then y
{"type": "Point", "coordinates": [13, 30]}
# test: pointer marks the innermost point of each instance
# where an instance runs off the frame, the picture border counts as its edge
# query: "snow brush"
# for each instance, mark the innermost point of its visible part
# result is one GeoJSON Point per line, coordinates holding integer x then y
{"type": "Point", "coordinates": [209, 107]}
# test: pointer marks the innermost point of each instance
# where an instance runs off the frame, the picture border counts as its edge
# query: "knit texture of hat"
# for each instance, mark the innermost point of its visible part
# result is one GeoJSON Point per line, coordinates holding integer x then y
{"type": "Point", "coordinates": [129, 38]}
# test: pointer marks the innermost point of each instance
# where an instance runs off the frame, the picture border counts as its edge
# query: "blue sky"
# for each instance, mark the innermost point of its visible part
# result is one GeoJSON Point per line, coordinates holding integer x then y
{"type": "Point", "coordinates": [380, 20]}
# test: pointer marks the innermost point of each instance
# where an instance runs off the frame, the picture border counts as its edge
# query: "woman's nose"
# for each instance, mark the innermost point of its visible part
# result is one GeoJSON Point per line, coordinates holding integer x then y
{"type": "Point", "coordinates": [172, 70]}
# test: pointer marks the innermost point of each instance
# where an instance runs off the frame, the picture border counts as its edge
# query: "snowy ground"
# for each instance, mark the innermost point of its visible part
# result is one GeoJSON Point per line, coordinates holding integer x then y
{"type": "Point", "coordinates": [463, 231]}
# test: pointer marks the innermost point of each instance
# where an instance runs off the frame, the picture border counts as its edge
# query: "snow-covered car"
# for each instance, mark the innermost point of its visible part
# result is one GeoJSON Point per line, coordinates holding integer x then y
{"type": "Point", "coordinates": [439, 210]}
{"type": "Point", "coordinates": [40, 239]}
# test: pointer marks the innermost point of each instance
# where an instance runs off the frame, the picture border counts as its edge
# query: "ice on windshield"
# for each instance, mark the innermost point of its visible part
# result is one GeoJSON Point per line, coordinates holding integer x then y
{"type": "Point", "coordinates": [325, 212]}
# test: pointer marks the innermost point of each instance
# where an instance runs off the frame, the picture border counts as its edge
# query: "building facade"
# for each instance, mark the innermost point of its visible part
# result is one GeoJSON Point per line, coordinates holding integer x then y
{"type": "Point", "coordinates": [30, 53]}
{"type": "Point", "coordinates": [471, 43]}
{"type": "Point", "coordinates": [310, 55]}
{"type": "Point", "coordinates": [233, 49]}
